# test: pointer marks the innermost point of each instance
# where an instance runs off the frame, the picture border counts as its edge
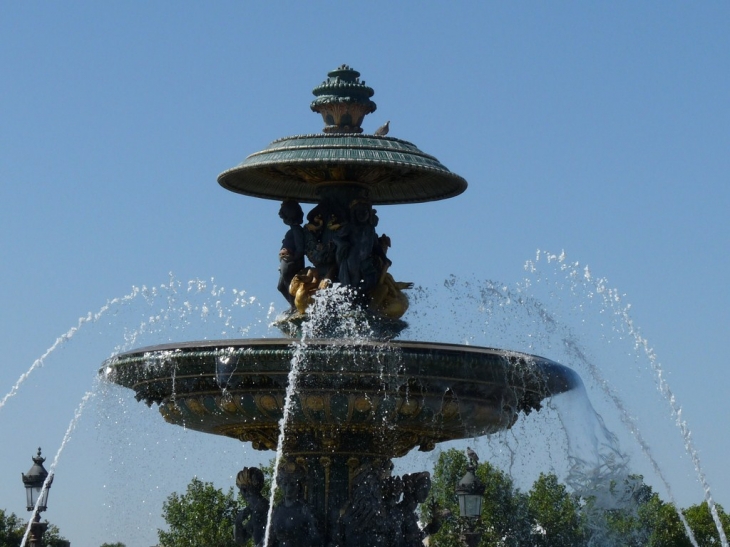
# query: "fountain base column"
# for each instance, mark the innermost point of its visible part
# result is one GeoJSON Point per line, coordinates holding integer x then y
{"type": "Point", "coordinates": [332, 484]}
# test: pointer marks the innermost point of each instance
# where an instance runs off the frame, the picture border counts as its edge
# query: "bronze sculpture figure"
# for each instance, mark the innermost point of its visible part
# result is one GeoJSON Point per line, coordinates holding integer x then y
{"type": "Point", "coordinates": [251, 520]}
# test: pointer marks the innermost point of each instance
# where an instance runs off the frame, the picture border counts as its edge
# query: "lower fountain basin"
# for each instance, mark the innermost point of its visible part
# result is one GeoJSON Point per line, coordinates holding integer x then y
{"type": "Point", "coordinates": [350, 397]}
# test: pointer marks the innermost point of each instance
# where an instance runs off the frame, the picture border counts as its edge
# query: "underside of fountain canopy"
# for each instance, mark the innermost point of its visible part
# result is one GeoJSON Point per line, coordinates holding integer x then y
{"type": "Point", "coordinates": [304, 167]}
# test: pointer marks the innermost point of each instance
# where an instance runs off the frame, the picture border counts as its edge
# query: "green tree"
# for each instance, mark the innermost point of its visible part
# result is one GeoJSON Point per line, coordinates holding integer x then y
{"type": "Point", "coordinates": [53, 537]}
{"type": "Point", "coordinates": [703, 525]}
{"type": "Point", "coordinates": [201, 517]}
{"type": "Point", "coordinates": [117, 544]}
{"type": "Point", "coordinates": [504, 519]}
{"type": "Point", "coordinates": [630, 520]}
{"type": "Point", "coordinates": [553, 513]}
{"type": "Point", "coordinates": [666, 528]}
{"type": "Point", "coordinates": [11, 529]}
{"type": "Point", "coordinates": [549, 516]}
{"type": "Point", "coordinates": [449, 468]}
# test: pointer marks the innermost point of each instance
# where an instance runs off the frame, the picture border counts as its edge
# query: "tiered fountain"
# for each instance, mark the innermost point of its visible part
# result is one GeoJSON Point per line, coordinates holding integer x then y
{"type": "Point", "coordinates": [338, 405]}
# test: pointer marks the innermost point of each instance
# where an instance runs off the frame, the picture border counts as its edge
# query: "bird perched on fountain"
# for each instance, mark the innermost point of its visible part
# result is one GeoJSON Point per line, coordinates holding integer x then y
{"type": "Point", "coordinates": [473, 456]}
{"type": "Point", "coordinates": [382, 131]}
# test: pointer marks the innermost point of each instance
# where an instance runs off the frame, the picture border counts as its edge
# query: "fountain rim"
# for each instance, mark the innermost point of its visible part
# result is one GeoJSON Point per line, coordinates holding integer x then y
{"type": "Point", "coordinates": [325, 342]}
{"type": "Point", "coordinates": [486, 380]}
{"type": "Point", "coordinates": [566, 377]}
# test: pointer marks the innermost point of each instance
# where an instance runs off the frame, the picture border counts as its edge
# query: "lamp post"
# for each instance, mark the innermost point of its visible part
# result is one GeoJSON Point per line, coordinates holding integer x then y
{"type": "Point", "coordinates": [37, 498]}
{"type": "Point", "coordinates": [470, 491]}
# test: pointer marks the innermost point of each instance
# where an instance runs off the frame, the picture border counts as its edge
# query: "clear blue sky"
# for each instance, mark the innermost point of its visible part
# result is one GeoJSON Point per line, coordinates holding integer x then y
{"type": "Point", "coordinates": [598, 129]}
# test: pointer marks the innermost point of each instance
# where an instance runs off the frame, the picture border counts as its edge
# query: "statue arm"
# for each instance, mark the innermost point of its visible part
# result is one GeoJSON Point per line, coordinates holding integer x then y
{"type": "Point", "coordinates": [438, 515]}
{"type": "Point", "coordinates": [240, 534]}
{"type": "Point", "coordinates": [293, 245]}
{"type": "Point", "coordinates": [299, 245]}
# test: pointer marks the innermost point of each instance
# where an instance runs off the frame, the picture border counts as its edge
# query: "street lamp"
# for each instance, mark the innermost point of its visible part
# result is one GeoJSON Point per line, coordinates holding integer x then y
{"type": "Point", "coordinates": [470, 491]}
{"type": "Point", "coordinates": [36, 495]}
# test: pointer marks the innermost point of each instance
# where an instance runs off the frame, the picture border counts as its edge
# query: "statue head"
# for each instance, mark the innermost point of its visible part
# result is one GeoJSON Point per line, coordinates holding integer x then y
{"type": "Point", "coordinates": [416, 486]}
{"type": "Point", "coordinates": [372, 476]}
{"type": "Point", "coordinates": [290, 477]}
{"type": "Point", "coordinates": [360, 211]}
{"type": "Point", "coordinates": [250, 480]}
{"type": "Point", "coordinates": [291, 212]}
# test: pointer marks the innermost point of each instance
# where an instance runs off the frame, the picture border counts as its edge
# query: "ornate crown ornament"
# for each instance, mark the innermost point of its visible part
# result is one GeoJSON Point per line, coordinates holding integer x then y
{"type": "Point", "coordinates": [343, 100]}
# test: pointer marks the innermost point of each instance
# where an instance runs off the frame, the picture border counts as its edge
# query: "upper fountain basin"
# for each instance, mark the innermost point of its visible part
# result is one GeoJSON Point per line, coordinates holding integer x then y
{"type": "Point", "coordinates": [350, 397]}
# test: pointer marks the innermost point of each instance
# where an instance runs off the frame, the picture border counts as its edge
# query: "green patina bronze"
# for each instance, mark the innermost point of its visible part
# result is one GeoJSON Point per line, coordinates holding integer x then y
{"type": "Point", "coordinates": [343, 100]}
{"type": "Point", "coordinates": [303, 167]}
{"type": "Point", "coordinates": [352, 399]}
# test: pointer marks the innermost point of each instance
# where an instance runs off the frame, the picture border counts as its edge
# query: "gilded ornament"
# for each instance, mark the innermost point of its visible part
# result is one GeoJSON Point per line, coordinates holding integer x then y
{"type": "Point", "coordinates": [227, 404]}
{"type": "Point", "coordinates": [409, 407]}
{"type": "Point", "coordinates": [195, 406]}
{"type": "Point", "coordinates": [363, 404]}
{"type": "Point", "coordinates": [267, 403]}
{"type": "Point", "coordinates": [450, 409]}
{"type": "Point", "coordinates": [315, 403]}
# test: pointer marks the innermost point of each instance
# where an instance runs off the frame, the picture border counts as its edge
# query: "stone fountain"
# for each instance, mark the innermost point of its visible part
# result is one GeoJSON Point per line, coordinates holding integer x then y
{"type": "Point", "coordinates": [338, 404]}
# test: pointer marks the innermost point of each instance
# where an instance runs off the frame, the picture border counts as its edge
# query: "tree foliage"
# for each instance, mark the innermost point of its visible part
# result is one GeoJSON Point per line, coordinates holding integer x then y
{"type": "Point", "coordinates": [12, 530]}
{"type": "Point", "coordinates": [703, 525]}
{"type": "Point", "coordinates": [53, 537]}
{"type": "Point", "coordinates": [201, 517]}
{"type": "Point", "coordinates": [505, 510]}
{"type": "Point", "coordinates": [549, 515]}
{"type": "Point", "coordinates": [450, 467]}
{"type": "Point", "coordinates": [553, 514]}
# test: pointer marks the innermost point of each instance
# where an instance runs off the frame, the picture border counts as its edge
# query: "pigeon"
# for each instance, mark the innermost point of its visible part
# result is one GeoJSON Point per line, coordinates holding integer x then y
{"type": "Point", "coordinates": [473, 456]}
{"type": "Point", "coordinates": [382, 131]}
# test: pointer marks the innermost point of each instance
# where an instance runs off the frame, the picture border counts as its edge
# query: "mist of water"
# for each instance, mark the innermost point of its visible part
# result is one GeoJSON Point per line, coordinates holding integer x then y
{"type": "Point", "coordinates": [173, 314]}
{"type": "Point", "coordinates": [161, 313]}
{"type": "Point", "coordinates": [595, 457]}
{"type": "Point", "coordinates": [482, 312]}
{"type": "Point", "coordinates": [496, 314]}
{"type": "Point", "coordinates": [65, 337]}
{"type": "Point", "coordinates": [580, 281]}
